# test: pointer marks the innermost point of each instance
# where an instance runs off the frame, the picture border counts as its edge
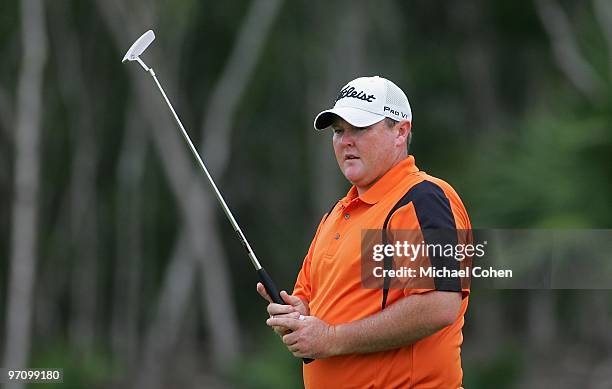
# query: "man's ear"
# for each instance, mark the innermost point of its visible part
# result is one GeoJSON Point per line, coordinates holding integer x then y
{"type": "Point", "coordinates": [404, 127]}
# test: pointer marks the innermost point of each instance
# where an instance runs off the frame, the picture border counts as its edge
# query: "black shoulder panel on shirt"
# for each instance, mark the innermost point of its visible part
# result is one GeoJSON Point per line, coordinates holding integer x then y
{"type": "Point", "coordinates": [433, 211]}
{"type": "Point", "coordinates": [432, 207]}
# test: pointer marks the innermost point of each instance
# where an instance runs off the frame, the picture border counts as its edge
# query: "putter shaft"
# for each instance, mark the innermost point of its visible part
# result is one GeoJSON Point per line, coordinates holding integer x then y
{"type": "Point", "coordinates": [265, 278]}
{"type": "Point", "coordinates": [195, 153]}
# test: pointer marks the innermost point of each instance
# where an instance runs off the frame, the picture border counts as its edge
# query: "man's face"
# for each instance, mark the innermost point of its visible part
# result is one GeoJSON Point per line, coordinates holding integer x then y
{"type": "Point", "coordinates": [365, 154]}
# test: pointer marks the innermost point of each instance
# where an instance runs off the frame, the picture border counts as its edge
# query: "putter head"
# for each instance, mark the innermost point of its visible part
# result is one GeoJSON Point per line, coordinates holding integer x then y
{"type": "Point", "coordinates": [139, 46]}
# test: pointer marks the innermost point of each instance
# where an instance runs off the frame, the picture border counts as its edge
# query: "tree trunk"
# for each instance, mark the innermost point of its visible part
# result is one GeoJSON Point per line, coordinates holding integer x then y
{"type": "Point", "coordinates": [127, 280]}
{"type": "Point", "coordinates": [566, 51]}
{"type": "Point", "coordinates": [173, 301]}
{"type": "Point", "coordinates": [83, 199]}
{"type": "Point", "coordinates": [326, 181]}
{"type": "Point", "coordinates": [476, 63]}
{"type": "Point", "coordinates": [603, 13]}
{"type": "Point", "coordinates": [541, 324]}
{"type": "Point", "coordinates": [6, 135]}
{"type": "Point", "coordinates": [25, 201]}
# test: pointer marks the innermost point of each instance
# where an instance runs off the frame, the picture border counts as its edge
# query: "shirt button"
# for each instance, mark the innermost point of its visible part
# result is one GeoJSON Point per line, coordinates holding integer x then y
{"type": "Point", "coordinates": [337, 236]}
{"type": "Point", "coordinates": [346, 216]}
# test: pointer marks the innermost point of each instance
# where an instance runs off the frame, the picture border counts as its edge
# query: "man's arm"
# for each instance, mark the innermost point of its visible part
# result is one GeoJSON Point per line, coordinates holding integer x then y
{"type": "Point", "coordinates": [409, 319]}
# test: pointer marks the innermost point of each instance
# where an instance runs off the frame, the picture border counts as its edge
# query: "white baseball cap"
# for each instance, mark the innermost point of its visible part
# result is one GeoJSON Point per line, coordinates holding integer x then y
{"type": "Point", "coordinates": [365, 101]}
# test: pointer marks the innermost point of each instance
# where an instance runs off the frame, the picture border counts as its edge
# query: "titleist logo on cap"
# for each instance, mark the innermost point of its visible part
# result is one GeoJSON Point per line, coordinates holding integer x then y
{"type": "Point", "coordinates": [365, 101]}
{"type": "Point", "coordinates": [350, 91]}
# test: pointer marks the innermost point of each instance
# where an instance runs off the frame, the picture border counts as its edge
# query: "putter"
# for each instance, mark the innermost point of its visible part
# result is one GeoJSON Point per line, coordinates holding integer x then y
{"type": "Point", "coordinates": [133, 54]}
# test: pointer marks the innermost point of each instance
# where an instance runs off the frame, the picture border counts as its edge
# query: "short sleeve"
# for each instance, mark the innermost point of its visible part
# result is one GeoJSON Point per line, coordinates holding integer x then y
{"type": "Point", "coordinates": [431, 212]}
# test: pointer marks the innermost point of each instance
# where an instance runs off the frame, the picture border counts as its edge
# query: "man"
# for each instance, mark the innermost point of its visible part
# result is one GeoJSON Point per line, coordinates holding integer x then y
{"type": "Point", "coordinates": [364, 337]}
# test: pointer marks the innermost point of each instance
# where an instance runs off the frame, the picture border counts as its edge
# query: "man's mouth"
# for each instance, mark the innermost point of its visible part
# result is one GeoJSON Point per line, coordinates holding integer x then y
{"type": "Point", "coordinates": [350, 156]}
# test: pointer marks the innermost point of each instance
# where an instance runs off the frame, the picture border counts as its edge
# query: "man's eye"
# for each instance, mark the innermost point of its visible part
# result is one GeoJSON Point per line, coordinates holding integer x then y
{"type": "Point", "coordinates": [337, 131]}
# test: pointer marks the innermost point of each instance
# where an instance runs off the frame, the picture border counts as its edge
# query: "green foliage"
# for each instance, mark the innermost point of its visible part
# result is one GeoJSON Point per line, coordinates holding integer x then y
{"type": "Point", "coordinates": [501, 371]}
{"type": "Point", "coordinates": [270, 366]}
{"type": "Point", "coordinates": [93, 370]}
{"type": "Point", "coordinates": [543, 172]}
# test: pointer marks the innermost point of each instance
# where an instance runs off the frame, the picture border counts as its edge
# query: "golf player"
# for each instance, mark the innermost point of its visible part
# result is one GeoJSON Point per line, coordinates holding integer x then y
{"type": "Point", "coordinates": [366, 337]}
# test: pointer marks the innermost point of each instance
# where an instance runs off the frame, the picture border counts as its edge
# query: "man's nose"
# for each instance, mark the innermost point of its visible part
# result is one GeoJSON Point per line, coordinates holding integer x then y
{"type": "Point", "coordinates": [347, 138]}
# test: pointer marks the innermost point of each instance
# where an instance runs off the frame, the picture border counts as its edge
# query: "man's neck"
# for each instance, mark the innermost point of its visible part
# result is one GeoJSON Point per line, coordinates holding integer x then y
{"type": "Point", "coordinates": [362, 189]}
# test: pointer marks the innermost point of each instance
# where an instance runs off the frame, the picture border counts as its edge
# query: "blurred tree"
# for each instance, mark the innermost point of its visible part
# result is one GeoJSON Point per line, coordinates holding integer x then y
{"type": "Point", "coordinates": [20, 303]}
{"type": "Point", "coordinates": [82, 198]}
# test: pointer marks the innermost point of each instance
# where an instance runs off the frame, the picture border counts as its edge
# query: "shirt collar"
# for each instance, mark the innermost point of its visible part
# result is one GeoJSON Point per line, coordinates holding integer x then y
{"type": "Point", "coordinates": [385, 183]}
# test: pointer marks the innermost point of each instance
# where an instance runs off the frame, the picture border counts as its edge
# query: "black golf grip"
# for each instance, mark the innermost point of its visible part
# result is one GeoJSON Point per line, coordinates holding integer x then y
{"type": "Point", "coordinates": [270, 286]}
{"type": "Point", "coordinates": [274, 294]}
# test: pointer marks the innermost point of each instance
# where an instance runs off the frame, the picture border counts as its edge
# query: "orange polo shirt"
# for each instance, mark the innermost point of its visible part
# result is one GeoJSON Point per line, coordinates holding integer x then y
{"type": "Point", "coordinates": [330, 280]}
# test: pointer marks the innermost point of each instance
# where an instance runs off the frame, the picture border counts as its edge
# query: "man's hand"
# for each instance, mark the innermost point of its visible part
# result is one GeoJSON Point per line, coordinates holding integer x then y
{"type": "Point", "coordinates": [309, 337]}
{"type": "Point", "coordinates": [294, 308]}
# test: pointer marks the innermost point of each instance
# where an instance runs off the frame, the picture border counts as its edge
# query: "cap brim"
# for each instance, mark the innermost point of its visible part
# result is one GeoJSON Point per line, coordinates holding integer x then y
{"type": "Point", "coordinates": [354, 116]}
